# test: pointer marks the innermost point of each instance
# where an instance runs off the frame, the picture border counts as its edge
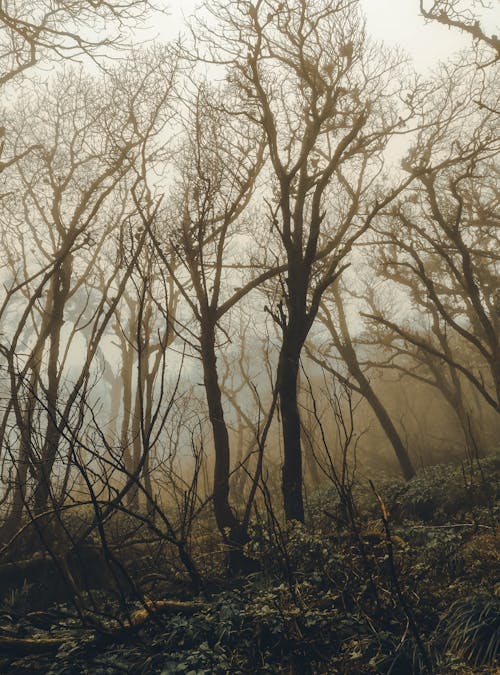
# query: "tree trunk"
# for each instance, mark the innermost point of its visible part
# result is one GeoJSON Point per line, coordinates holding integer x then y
{"type": "Point", "coordinates": [387, 425]}
{"type": "Point", "coordinates": [227, 523]}
{"type": "Point", "coordinates": [380, 411]}
{"type": "Point", "coordinates": [13, 520]}
{"type": "Point", "coordinates": [348, 353]}
{"type": "Point", "coordinates": [23, 464]}
{"type": "Point", "coordinates": [58, 295]}
{"type": "Point", "coordinates": [137, 449]}
{"type": "Point", "coordinates": [288, 370]}
{"type": "Point", "coordinates": [126, 377]}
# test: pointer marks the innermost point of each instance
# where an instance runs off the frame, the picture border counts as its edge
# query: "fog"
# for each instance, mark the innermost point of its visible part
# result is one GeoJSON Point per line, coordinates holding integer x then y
{"type": "Point", "coordinates": [250, 261]}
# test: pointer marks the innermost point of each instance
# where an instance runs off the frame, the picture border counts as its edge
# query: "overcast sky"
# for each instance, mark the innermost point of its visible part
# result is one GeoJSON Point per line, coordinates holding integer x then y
{"type": "Point", "coordinates": [394, 21]}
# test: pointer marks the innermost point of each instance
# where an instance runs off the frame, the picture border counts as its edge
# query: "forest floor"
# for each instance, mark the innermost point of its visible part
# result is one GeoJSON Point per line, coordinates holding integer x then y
{"type": "Point", "coordinates": [404, 582]}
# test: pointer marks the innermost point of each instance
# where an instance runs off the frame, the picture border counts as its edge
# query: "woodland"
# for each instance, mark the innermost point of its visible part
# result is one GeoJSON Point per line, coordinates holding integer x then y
{"type": "Point", "coordinates": [249, 342]}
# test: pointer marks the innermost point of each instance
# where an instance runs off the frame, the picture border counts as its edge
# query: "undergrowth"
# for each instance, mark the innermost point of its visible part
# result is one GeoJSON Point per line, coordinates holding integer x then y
{"type": "Point", "coordinates": [408, 589]}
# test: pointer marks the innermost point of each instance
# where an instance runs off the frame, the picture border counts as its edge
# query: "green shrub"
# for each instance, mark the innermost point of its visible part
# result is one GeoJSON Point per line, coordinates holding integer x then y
{"type": "Point", "coordinates": [441, 493]}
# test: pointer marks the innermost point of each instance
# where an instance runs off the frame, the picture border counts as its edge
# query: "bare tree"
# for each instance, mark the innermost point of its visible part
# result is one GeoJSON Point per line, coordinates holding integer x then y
{"type": "Point", "coordinates": [324, 99]}
{"type": "Point", "coordinates": [340, 343]}
{"type": "Point", "coordinates": [426, 367]}
{"type": "Point", "coordinates": [34, 31]}
{"type": "Point", "coordinates": [38, 32]}
{"type": "Point", "coordinates": [75, 211]}
{"type": "Point", "coordinates": [149, 333]}
{"type": "Point", "coordinates": [440, 243]}
{"type": "Point", "coordinates": [218, 167]}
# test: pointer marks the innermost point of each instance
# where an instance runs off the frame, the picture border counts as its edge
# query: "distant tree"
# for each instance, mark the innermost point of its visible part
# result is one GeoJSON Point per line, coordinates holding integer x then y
{"type": "Point", "coordinates": [410, 362]}
{"type": "Point", "coordinates": [37, 32]}
{"type": "Point", "coordinates": [145, 330]}
{"type": "Point", "coordinates": [340, 346]}
{"type": "Point", "coordinates": [439, 244]}
{"type": "Point", "coordinates": [68, 209]}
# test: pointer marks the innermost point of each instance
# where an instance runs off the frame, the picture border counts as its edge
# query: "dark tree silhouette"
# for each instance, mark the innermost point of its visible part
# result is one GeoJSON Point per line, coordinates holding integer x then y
{"type": "Point", "coordinates": [323, 98]}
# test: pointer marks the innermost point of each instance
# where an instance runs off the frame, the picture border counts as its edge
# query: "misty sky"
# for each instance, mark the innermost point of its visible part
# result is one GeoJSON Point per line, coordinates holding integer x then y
{"type": "Point", "coordinates": [394, 21]}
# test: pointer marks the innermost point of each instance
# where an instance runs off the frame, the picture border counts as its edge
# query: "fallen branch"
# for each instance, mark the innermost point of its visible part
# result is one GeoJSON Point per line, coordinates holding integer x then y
{"type": "Point", "coordinates": [23, 646]}
{"type": "Point", "coordinates": [152, 609]}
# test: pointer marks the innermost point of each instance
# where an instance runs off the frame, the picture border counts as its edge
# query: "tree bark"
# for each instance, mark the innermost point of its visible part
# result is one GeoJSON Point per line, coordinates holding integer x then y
{"type": "Point", "coordinates": [288, 371]}
{"type": "Point", "coordinates": [58, 295]}
{"type": "Point", "coordinates": [227, 523]}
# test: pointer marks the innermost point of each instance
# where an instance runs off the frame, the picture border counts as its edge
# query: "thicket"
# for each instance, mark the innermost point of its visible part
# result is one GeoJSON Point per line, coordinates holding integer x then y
{"type": "Point", "coordinates": [389, 577]}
